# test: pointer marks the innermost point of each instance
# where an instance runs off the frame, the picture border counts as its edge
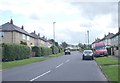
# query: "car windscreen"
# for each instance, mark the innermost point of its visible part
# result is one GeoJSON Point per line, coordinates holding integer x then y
{"type": "Point", "coordinates": [99, 47]}
{"type": "Point", "coordinates": [87, 52]}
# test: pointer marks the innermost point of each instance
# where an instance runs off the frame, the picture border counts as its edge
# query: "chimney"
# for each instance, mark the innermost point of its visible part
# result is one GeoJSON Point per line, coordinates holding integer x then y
{"type": "Point", "coordinates": [109, 33]}
{"type": "Point", "coordinates": [22, 27]}
{"type": "Point", "coordinates": [39, 34]}
{"type": "Point", "coordinates": [104, 35]}
{"type": "Point", "coordinates": [119, 29]}
{"type": "Point", "coordinates": [34, 31]}
{"type": "Point", "coordinates": [11, 21]}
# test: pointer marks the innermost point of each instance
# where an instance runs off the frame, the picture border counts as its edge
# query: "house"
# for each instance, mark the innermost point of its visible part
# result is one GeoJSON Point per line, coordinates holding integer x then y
{"type": "Point", "coordinates": [40, 41]}
{"type": "Point", "coordinates": [106, 40]}
{"type": "Point", "coordinates": [10, 33]}
{"type": "Point", "coordinates": [115, 43]}
{"type": "Point", "coordinates": [96, 41]}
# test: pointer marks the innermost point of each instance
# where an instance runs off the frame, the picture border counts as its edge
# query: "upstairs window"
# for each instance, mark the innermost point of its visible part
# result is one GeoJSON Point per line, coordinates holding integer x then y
{"type": "Point", "coordinates": [28, 38]}
{"type": "Point", "coordinates": [1, 34]}
{"type": "Point", "coordinates": [23, 36]}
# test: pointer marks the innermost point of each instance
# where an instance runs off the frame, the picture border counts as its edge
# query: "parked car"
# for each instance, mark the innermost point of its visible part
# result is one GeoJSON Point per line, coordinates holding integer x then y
{"type": "Point", "coordinates": [88, 54]}
{"type": "Point", "coordinates": [100, 50]}
{"type": "Point", "coordinates": [67, 51]}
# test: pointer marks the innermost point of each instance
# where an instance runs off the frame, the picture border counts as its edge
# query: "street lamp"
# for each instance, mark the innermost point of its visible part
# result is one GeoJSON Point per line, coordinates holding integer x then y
{"type": "Point", "coordinates": [54, 35]}
{"type": "Point", "coordinates": [88, 37]}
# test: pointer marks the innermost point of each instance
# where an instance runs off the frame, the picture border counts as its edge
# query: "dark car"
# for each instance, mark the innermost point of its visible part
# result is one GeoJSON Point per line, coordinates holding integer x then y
{"type": "Point", "coordinates": [67, 51]}
{"type": "Point", "coordinates": [88, 54]}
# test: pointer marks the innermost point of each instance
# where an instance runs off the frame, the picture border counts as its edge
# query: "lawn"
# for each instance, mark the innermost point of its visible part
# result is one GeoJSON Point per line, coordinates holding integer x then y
{"type": "Point", "coordinates": [109, 67]}
{"type": "Point", "coordinates": [0, 65]}
{"type": "Point", "coordinates": [107, 61]}
{"type": "Point", "coordinates": [111, 72]}
{"type": "Point", "coordinates": [11, 64]}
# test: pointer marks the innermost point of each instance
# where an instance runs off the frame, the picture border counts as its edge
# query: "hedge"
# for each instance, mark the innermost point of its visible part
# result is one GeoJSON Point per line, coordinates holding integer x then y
{"type": "Point", "coordinates": [55, 49]}
{"type": "Point", "coordinates": [13, 52]}
{"type": "Point", "coordinates": [37, 51]}
{"type": "Point", "coordinates": [46, 51]}
{"type": "Point", "coordinates": [41, 51]}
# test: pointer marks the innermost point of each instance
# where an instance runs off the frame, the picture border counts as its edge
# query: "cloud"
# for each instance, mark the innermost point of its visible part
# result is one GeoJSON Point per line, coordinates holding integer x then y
{"type": "Point", "coordinates": [73, 18]}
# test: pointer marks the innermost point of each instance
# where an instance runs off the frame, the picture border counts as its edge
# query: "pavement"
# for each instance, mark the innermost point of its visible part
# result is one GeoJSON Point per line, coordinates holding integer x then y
{"type": "Point", "coordinates": [63, 68]}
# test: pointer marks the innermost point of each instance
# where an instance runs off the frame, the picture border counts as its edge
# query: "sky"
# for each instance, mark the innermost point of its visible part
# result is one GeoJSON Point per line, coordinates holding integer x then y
{"type": "Point", "coordinates": [73, 18]}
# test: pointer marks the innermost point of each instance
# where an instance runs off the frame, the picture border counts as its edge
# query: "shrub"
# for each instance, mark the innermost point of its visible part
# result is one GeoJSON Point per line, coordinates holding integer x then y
{"type": "Point", "coordinates": [13, 52]}
{"type": "Point", "coordinates": [55, 49]}
{"type": "Point", "coordinates": [46, 51]}
{"type": "Point", "coordinates": [37, 51]}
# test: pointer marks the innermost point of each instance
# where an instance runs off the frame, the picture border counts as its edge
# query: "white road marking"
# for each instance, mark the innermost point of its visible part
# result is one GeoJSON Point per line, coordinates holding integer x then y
{"type": "Point", "coordinates": [40, 75]}
{"type": "Point", "coordinates": [67, 61]}
{"type": "Point", "coordinates": [59, 65]}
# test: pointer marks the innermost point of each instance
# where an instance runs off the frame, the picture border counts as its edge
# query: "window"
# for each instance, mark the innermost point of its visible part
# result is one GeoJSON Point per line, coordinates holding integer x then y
{"type": "Point", "coordinates": [28, 38]}
{"type": "Point", "coordinates": [1, 34]}
{"type": "Point", "coordinates": [23, 36]}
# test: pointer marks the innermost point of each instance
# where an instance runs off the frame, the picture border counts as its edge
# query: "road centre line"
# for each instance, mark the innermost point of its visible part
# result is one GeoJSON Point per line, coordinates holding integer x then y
{"type": "Point", "coordinates": [59, 65]}
{"type": "Point", "coordinates": [40, 75]}
{"type": "Point", "coordinates": [67, 61]}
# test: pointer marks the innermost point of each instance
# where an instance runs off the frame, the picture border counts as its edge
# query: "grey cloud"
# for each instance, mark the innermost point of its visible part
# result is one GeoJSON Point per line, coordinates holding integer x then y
{"type": "Point", "coordinates": [34, 17]}
{"type": "Point", "coordinates": [92, 9]}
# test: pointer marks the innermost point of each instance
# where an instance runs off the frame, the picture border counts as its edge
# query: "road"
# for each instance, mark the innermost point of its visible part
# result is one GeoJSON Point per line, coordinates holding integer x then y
{"type": "Point", "coordinates": [63, 68]}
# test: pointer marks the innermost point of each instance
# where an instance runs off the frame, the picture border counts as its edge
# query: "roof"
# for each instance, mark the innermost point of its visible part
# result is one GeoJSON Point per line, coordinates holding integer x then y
{"type": "Point", "coordinates": [8, 27]}
{"type": "Point", "coordinates": [115, 35]}
{"type": "Point", "coordinates": [96, 40]}
{"type": "Point", "coordinates": [110, 35]}
{"type": "Point", "coordinates": [38, 37]}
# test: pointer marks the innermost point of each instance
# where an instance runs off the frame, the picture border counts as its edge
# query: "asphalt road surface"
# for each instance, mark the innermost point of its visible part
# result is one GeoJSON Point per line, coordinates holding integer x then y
{"type": "Point", "coordinates": [63, 68]}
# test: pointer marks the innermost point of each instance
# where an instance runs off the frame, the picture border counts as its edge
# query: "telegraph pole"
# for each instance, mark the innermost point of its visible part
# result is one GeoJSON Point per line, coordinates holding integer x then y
{"type": "Point", "coordinates": [88, 37]}
{"type": "Point", "coordinates": [54, 34]}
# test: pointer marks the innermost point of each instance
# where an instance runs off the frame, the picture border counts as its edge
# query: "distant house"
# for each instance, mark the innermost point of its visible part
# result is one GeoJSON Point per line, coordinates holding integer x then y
{"type": "Point", "coordinates": [115, 43]}
{"type": "Point", "coordinates": [106, 40]}
{"type": "Point", "coordinates": [96, 41]}
{"type": "Point", "coordinates": [11, 33]}
{"type": "Point", "coordinates": [40, 41]}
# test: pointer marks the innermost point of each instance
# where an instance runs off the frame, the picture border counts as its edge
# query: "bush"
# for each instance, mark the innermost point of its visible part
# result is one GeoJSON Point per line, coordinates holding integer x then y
{"type": "Point", "coordinates": [55, 49]}
{"type": "Point", "coordinates": [13, 52]}
{"type": "Point", "coordinates": [46, 51]}
{"type": "Point", "coordinates": [37, 51]}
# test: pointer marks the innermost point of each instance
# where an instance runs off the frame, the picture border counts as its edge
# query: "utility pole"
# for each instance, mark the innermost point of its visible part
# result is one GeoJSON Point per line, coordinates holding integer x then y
{"type": "Point", "coordinates": [88, 37]}
{"type": "Point", "coordinates": [54, 34]}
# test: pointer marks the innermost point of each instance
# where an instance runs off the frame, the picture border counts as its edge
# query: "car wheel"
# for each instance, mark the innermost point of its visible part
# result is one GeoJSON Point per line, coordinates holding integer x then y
{"type": "Point", "coordinates": [83, 58]}
{"type": "Point", "coordinates": [92, 58]}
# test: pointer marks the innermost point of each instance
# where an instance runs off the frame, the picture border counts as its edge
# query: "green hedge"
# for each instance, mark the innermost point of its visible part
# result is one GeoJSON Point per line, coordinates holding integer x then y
{"type": "Point", "coordinates": [13, 52]}
{"type": "Point", "coordinates": [41, 51]}
{"type": "Point", "coordinates": [55, 49]}
{"type": "Point", "coordinates": [46, 51]}
{"type": "Point", "coordinates": [37, 51]}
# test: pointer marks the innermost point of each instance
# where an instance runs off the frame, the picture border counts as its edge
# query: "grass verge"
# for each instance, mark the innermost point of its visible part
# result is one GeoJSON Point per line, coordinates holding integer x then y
{"type": "Point", "coordinates": [109, 67]}
{"type": "Point", "coordinates": [107, 61]}
{"type": "Point", "coordinates": [56, 55]}
{"type": "Point", "coordinates": [11, 64]}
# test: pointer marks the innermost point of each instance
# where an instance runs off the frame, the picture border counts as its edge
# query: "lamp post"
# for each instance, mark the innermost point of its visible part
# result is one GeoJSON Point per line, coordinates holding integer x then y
{"type": "Point", "coordinates": [88, 37]}
{"type": "Point", "coordinates": [53, 35]}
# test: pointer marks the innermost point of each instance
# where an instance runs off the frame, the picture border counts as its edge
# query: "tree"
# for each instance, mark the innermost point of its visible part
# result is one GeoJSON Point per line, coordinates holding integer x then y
{"type": "Point", "coordinates": [56, 44]}
{"type": "Point", "coordinates": [64, 44]}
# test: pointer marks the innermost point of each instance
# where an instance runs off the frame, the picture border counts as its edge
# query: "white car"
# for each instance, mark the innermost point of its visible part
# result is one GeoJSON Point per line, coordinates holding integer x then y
{"type": "Point", "coordinates": [67, 51]}
{"type": "Point", "coordinates": [88, 54]}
